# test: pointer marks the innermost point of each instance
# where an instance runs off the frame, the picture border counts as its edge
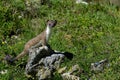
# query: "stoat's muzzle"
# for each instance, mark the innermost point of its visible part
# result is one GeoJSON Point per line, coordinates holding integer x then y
{"type": "Point", "coordinates": [51, 23]}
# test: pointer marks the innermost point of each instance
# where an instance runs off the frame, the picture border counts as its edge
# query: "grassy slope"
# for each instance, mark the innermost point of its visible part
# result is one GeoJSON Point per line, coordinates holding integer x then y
{"type": "Point", "coordinates": [90, 32]}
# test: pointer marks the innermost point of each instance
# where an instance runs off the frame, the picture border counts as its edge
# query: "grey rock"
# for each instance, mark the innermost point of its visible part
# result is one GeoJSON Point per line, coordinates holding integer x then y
{"type": "Point", "coordinates": [73, 73]}
{"type": "Point", "coordinates": [43, 62]}
{"type": "Point", "coordinates": [44, 74]}
{"type": "Point", "coordinates": [68, 76]}
{"type": "Point", "coordinates": [62, 70]}
{"type": "Point", "coordinates": [75, 69]}
{"type": "Point", "coordinates": [35, 55]}
{"type": "Point", "coordinates": [52, 61]}
{"type": "Point", "coordinates": [99, 66]}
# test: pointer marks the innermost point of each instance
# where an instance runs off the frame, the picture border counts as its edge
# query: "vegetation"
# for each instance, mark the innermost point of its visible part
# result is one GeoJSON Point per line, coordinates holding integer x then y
{"type": "Point", "coordinates": [90, 32]}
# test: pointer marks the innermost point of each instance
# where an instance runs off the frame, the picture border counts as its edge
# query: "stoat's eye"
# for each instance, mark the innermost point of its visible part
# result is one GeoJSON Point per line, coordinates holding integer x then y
{"type": "Point", "coordinates": [50, 25]}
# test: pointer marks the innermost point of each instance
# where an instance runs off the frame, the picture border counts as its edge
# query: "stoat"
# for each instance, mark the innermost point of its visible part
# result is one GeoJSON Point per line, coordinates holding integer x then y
{"type": "Point", "coordinates": [41, 38]}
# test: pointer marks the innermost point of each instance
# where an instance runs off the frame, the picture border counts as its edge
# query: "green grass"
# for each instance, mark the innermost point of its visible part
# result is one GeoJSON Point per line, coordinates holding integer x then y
{"type": "Point", "coordinates": [90, 32]}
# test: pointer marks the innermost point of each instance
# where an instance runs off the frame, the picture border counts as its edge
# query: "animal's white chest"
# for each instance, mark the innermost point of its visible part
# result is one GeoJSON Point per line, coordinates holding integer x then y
{"type": "Point", "coordinates": [48, 33]}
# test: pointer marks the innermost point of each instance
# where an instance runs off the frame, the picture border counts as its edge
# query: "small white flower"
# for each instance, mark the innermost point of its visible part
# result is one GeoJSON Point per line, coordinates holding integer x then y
{"type": "Point", "coordinates": [81, 1]}
{"type": "Point", "coordinates": [3, 72]}
{"type": "Point", "coordinates": [19, 16]}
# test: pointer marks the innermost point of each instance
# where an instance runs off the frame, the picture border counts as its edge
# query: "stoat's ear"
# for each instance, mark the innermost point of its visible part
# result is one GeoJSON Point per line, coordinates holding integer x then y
{"type": "Point", "coordinates": [47, 21]}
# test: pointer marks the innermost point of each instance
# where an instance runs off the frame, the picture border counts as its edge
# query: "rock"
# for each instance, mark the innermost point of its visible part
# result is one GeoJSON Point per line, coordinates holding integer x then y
{"type": "Point", "coordinates": [73, 73]}
{"type": "Point", "coordinates": [44, 74]}
{"type": "Point", "coordinates": [99, 66]}
{"type": "Point", "coordinates": [35, 55]}
{"type": "Point", "coordinates": [43, 62]}
{"type": "Point", "coordinates": [62, 70]}
{"type": "Point", "coordinates": [53, 61]}
{"type": "Point", "coordinates": [49, 64]}
{"type": "Point", "coordinates": [68, 76]}
{"type": "Point", "coordinates": [74, 68]}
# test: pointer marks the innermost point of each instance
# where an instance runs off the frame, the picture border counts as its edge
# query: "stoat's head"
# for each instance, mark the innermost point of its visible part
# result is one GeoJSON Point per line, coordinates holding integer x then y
{"type": "Point", "coordinates": [51, 23]}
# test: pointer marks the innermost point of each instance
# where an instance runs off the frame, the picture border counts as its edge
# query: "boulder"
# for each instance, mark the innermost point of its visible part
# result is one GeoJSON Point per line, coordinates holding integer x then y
{"type": "Point", "coordinates": [43, 62]}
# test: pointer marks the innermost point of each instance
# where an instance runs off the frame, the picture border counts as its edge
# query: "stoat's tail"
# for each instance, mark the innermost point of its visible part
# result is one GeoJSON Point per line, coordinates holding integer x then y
{"type": "Point", "coordinates": [22, 54]}
{"type": "Point", "coordinates": [12, 60]}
